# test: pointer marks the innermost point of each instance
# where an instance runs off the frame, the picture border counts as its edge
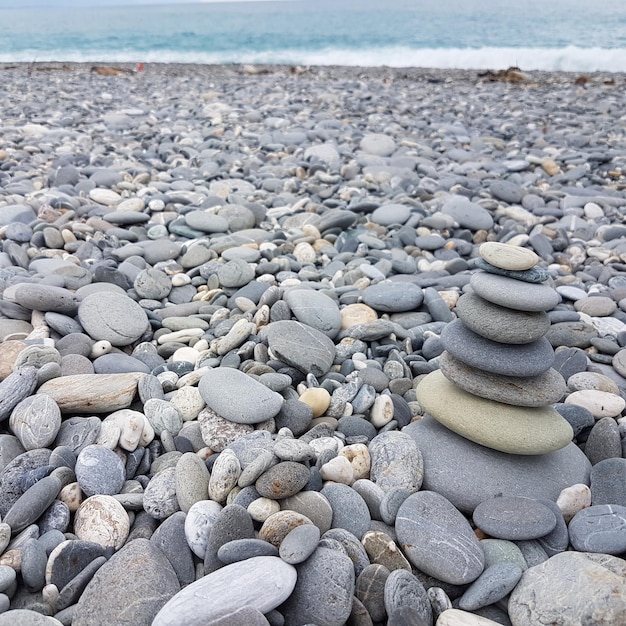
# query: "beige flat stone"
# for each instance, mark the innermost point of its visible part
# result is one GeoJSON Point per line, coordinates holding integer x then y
{"type": "Point", "coordinates": [511, 429]}
{"type": "Point", "coordinates": [92, 393]}
{"type": "Point", "coordinates": [508, 257]}
{"type": "Point", "coordinates": [456, 617]}
{"type": "Point", "coordinates": [354, 314]}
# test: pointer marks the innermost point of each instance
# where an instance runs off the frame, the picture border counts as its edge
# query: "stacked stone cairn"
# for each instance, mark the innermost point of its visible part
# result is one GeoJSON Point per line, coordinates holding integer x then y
{"type": "Point", "coordinates": [496, 384]}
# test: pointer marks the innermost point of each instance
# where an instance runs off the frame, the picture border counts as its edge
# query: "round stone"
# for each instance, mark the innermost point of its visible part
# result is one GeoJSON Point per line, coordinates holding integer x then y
{"type": "Point", "coordinates": [393, 297]}
{"type": "Point", "coordinates": [354, 314]}
{"type": "Point", "coordinates": [102, 520]}
{"type": "Point", "coordinates": [112, 317]}
{"type": "Point", "coordinates": [315, 309]}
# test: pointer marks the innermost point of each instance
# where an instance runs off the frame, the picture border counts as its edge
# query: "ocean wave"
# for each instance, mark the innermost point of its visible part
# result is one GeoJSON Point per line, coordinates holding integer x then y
{"type": "Point", "coordinates": [567, 59]}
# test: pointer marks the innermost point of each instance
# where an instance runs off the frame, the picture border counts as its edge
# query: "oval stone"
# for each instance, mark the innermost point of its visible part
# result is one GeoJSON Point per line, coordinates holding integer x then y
{"type": "Point", "coordinates": [437, 539]}
{"type": "Point", "coordinates": [514, 518]}
{"type": "Point", "coordinates": [283, 480]}
{"type": "Point", "coordinates": [528, 359]}
{"type": "Point", "coordinates": [514, 294]}
{"type": "Point", "coordinates": [237, 397]}
{"type": "Point", "coordinates": [503, 427]}
{"type": "Point", "coordinates": [599, 528]}
{"type": "Point", "coordinates": [508, 257]}
{"type": "Point", "coordinates": [112, 317]}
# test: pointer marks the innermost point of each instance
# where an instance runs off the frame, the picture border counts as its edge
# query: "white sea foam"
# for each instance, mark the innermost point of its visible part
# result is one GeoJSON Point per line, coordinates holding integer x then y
{"type": "Point", "coordinates": [567, 59]}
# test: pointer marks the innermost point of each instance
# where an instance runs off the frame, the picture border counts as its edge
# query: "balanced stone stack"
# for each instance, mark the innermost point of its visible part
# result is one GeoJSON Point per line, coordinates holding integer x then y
{"type": "Point", "coordinates": [496, 384]}
{"type": "Point", "coordinates": [489, 405]}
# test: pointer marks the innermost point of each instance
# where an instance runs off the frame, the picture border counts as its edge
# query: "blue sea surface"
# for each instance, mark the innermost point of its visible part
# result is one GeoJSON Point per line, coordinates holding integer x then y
{"type": "Point", "coordinates": [569, 35]}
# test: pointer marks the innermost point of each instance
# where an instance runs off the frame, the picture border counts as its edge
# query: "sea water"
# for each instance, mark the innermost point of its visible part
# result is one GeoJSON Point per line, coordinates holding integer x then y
{"type": "Point", "coordinates": [568, 35]}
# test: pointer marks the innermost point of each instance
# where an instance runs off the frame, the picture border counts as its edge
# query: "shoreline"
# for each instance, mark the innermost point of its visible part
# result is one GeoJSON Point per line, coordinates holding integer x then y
{"type": "Point", "coordinates": [531, 77]}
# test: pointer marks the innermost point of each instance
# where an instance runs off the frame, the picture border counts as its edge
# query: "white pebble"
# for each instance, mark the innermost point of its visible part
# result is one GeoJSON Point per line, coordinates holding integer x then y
{"type": "Point", "coordinates": [261, 508]}
{"type": "Point", "coordinates": [99, 348]}
{"type": "Point", "coordinates": [599, 403]}
{"type": "Point", "coordinates": [359, 457]}
{"type": "Point", "coordinates": [338, 470]}
{"type": "Point", "coordinates": [573, 499]}
{"type": "Point", "coordinates": [382, 411]}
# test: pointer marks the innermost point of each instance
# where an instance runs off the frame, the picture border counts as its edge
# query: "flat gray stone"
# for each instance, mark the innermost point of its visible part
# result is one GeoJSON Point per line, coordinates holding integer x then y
{"type": "Point", "coordinates": [40, 297]}
{"type": "Point", "coordinates": [514, 518]}
{"type": "Point", "coordinates": [572, 588]}
{"type": "Point", "coordinates": [241, 549]}
{"type": "Point", "coordinates": [529, 359]}
{"type": "Point", "coordinates": [500, 323]}
{"type": "Point", "coordinates": [32, 503]}
{"type": "Point", "coordinates": [323, 592]}
{"type": "Point", "coordinates": [437, 539]}
{"type": "Point", "coordinates": [514, 294]}
{"type": "Point", "coordinates": [315, 309]}
{"type": "Point", "coordinates": [488, 473]}
{"type": "Point", "coordinates": [467, 214]}
{"type": "Point", "coordinates": [287, 340]}
{"type": "Point", "coordinates": [393, 297]}
{"type": "Point", "coordinates": [129, 589]}
{"type": "Point", "coordinates": [299, 544]}
{"type": "Point", "coordinates": [599, 528]}
{"type": "Point", "coordinates": [261, 583]}
{"type": "Point", "coordinates": [237, 397]}
{"type": "Point", "coordinates": [112, 317]}
{"type": "Point", "coordinates": [531, 391]}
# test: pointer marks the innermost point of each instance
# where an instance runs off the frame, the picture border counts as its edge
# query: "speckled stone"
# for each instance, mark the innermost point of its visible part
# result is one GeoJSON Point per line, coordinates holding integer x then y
{"type": "Point", "coordinates": [437, 539]}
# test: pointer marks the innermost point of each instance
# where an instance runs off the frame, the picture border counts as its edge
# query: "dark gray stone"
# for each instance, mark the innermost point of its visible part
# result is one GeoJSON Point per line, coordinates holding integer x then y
{"type": "Point", "coordinates": [286, 338]}
{"type": "Point", "coordinates": [70, 558]}
{"type": "Point", "coordinates": [393, 297]}
{"type": "Point", "coordinates": [32, 503]}
{"type": "Point", "coordinates": [129, 589]}
{"type": "Point", "coordinates": [405, 594]}
{"type": "Point", "coordinates": [530, 359]}
{"type": "Point", "coordinates": [370, 589]}
{"type": "Point", "coordinates": [242, 549]}
{"type": "Point", "coordinates": [170, 539]}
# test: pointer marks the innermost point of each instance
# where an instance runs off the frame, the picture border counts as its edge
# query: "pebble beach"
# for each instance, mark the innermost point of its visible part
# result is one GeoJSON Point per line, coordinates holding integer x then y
{"type": "Point", "coordinates": [311, 346]}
